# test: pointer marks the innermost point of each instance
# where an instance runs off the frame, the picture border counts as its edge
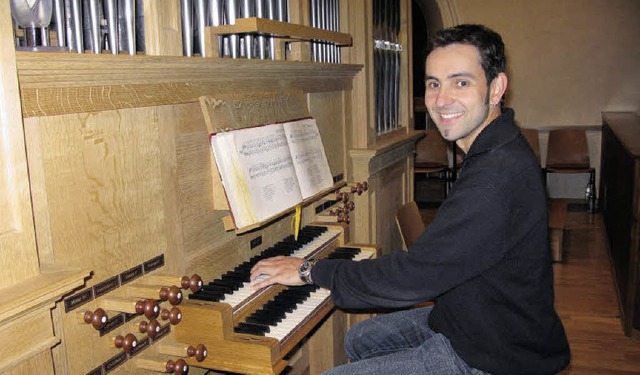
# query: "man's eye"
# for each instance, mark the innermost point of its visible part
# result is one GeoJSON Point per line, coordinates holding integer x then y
{"type": "Point", "coordinates": [462, 83]}
{"type": "Point", "coordinates": [432, 85]}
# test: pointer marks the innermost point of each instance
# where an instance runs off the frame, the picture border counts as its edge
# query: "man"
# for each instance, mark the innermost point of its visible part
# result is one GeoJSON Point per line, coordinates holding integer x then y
{"type": "Point", "coordinates": [484, 260]}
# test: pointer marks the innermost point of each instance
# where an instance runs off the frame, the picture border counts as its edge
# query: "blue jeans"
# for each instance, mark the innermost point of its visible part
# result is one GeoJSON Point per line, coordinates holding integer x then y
{"type": "Point", "coordinates": [400, 343]}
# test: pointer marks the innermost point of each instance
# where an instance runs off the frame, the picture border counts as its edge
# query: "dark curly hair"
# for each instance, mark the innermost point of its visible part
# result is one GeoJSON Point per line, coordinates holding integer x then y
{"type": "Point", "coordinates": [488, 42]}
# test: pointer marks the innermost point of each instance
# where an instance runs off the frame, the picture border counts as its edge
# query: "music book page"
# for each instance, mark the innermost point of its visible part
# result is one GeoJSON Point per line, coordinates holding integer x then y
{"type": "Point", "coordinates": [268, 169]}
{"type": "Point", "coordinates": [309, 158]}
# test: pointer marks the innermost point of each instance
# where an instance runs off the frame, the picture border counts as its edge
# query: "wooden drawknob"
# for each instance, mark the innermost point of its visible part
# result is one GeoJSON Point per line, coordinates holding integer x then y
{"type": "Point", "coordinates": [337, 212]}
{"type": "Point", "coordinates": [97, 318]}
{"type": "Point", "coordinates": [126, 343]}
{"type": "Point", "coordinates": [194, 282]}
{"type": "Point", "coordinates": [149, 307]}
{"type": "Point", "coordinates": [172, 294]}
{"type": "Point", "coordinates": [174, 315]}
{"type": "Point", "coordinates": [177, 367]}
{"type": "Point", "coordinates": [344, 219]}
{"type": "Point", "coordinates": [360, 188]}
{"type": "Point", "coordinates": [199, 352]}
{"type": "Point", "coordinates": [151, 328]}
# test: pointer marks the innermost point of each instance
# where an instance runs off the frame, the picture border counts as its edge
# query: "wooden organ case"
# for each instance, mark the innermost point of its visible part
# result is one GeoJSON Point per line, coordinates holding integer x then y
{"type": "Point", "coordinates": [109, 182]}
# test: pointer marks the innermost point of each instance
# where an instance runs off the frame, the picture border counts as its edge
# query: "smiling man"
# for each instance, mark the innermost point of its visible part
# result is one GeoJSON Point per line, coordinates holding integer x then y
{"type": "Point", "coordinates": [484, 260]}
{"type": "Point", "coordinates": [461, 100]}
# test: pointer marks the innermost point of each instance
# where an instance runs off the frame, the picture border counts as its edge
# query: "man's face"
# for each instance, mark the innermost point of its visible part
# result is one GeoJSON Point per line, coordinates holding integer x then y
{"type": "Point", "coordinates": [457, 93]}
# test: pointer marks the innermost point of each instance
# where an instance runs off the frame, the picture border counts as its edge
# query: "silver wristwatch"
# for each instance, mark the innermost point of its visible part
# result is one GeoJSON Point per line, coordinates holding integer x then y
{"type": "Point", "coordinates": [304, 271]}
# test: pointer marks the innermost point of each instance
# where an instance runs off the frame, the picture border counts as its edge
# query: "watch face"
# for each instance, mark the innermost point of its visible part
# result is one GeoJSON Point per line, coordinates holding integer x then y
{"type": "Point", "coordinates": [305, 266]}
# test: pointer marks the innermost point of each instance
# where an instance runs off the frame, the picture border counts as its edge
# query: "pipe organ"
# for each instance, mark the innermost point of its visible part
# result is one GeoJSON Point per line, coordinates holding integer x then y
{"type": "Point", "coordinates": [118, 252]}
{"type": "Point", "coordinates": [117, 26]}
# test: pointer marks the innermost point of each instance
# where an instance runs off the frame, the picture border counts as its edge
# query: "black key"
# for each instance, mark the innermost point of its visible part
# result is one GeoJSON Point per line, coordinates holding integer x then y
{"type": "Point", "coordinates": [254, 326]}
{"type": "Point", "coordinates": [217, 288]}
{"type": "Point", "coordinates": [248, 330]}
{"type": "Point", "coordinates": [207, 296]}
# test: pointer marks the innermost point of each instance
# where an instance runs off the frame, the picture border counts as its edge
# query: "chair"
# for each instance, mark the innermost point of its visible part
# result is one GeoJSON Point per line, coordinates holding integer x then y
{"type": "Point", "coordinates": [557, 209]}
{"type": "Point", "coordinates": [409, 223]}
{"type": "Point", "coordinates": [568, 152]}
{"type": "Point", "coordinates": [432, 157]}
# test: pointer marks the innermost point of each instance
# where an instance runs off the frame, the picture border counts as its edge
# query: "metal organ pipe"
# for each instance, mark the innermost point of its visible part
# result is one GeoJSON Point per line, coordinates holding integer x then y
{"type": "Point", "coordinates": [186, 9]}
{"type": "Point", "coordinates": [262, 51]}
{"type": "Point", "coordinates": [201, 23]}
{"type": "Point", "coordinates": [248, 11]}
{"type": "Point", "coordinates": [117, 26]}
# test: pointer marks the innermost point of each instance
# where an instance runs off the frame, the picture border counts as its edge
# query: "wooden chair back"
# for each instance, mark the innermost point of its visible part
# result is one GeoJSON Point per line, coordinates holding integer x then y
{"type": "Point", "coordinates": [568, 150]}
{"type": "Point", "coordinates": [409, 223]}
{"type": "Point", "coordinates": [431, 152]}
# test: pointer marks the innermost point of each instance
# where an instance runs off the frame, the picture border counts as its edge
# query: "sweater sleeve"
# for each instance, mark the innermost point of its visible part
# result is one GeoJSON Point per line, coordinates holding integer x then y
{"type": "Point", "coordinates": [466, 237]}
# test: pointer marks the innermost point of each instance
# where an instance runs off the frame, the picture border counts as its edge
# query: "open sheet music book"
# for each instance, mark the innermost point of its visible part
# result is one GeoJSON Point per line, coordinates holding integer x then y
{"type": "Point", "coordinates": [270, 168]}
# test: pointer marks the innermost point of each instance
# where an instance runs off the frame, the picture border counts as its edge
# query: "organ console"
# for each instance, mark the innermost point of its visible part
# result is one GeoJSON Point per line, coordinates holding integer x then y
{"type": "Point", "coordinates": [114, 247]}
{"type": "Point", "coordinates": [262, 327]}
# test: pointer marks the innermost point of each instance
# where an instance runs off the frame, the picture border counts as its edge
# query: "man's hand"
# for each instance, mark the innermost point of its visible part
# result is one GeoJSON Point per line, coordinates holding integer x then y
{"type": "Point", "coordinates": [280, 269]}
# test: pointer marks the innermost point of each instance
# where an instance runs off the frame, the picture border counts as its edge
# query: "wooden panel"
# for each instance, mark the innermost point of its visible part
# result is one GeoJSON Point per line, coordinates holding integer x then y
{"type": "Point", "coordinates": [359, 24]}
{"type": "Point", "coordinates": [18, 258]}
{"type": "Point", "coordinates": [227, 112]}
{"type": "Point", "coordinates": [406, 67]}
{"type": "Point", "coordinates": [109, 165]}
{"type": "Point", "coordinates": [389, 185]}
{"type": "Point", "coordinates": [35, 334]}
{"type": "Point", "coordinates": [620, 203]}
{"type": "Point", "coordinates": [68, 83]}
{"type": "Point", "coordinates": [162, 28]}
{"type": "Point", "coordinates": [322, 345]}
{"type": "Point", "coordinates": [328, 109]}
{"type": "Point", "coordinates": [41, 363]}
{"type": "Point", "coordinates": [388, 163]}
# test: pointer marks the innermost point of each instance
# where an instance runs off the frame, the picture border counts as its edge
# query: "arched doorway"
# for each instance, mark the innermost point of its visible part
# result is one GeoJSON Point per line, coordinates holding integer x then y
{"type": "Point", "coordinates": [428, 16]}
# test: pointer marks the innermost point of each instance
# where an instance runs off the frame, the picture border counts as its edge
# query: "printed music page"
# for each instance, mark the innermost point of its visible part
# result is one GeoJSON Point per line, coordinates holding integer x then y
{"type": "Point", "coordinates": [233, 180]}
{"type": "Point", "coordinates": [308, 155]}
{"type": "Point", "coordinates": [268, 168]}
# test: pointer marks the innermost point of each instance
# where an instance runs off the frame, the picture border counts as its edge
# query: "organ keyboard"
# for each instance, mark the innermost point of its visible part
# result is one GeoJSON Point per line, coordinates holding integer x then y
{"type": "Point", "coordinates": [252, 331]}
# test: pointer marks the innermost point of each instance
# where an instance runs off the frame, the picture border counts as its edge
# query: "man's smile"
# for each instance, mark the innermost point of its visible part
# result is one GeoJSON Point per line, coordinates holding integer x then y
{"type": "Point", "coordinates": [448, 116]}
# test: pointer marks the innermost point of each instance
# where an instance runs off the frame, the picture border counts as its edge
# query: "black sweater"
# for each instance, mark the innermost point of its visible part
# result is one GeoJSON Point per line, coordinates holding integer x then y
{"type": "Point", "coordinates": [485, 260]}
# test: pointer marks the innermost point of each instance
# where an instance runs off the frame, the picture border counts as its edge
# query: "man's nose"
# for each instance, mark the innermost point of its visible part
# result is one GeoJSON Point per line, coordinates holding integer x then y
{"type": "Point", "coordinates": [443, 98]}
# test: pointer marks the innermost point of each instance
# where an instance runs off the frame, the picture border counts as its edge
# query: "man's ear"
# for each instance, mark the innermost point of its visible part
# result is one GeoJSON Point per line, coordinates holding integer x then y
{"type": "Point", "coordinates": [498, 88]}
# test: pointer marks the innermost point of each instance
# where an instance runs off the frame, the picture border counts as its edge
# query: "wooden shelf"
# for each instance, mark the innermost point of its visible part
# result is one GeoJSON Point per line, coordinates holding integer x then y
{"type": "Point", "coordinates": [42, 290]}
{"type": "Point", "coordinates": [285, 30]}
{"type": "Point", "coordinates": [61, 83]}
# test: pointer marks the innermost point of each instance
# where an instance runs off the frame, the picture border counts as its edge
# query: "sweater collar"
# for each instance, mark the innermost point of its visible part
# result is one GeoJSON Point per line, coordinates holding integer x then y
{"type": "Point", "coordinates": [498, 132]}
